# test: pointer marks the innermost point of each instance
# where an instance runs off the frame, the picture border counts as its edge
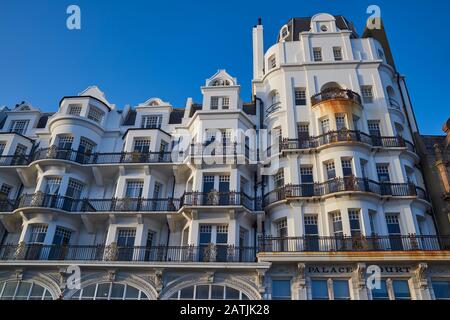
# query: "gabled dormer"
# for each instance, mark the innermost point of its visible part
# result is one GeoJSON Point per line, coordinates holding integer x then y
{"type": "Point", "coordinates": [153, 113]}
{"type": "Point", "coordinates": [221, 92]}
{"type": "Point", "coordinates": [22, 119]}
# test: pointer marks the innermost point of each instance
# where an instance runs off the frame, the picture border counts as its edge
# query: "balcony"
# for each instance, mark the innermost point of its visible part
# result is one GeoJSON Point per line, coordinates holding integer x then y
{"type": "Point", "coordinates": [208, 254]}
{"type": "Point", "coordinates": [215, 198]}
{"type": "Point", "coordinates": [347, 184]}
{"type": "Point", "coordinates": [87, 158]}
{"type": "Point", "coordinates": [338, 94]}
{"type": "Point", "coordinates": [354, 244]}
{"type": "Point", "coordinates": [346, 136]}
{"type": "Point", "coordinates": [41, 200]}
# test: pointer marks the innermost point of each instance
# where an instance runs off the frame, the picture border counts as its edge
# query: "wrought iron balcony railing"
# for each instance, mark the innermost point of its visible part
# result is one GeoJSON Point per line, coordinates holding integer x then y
{"type": "Point", "coordinates": [102, 158]}
{"type": "Point", "coordinates": [207, 253]}
{"type": "Point", "coordinates": [215, 198]}
{"type": "Point", "coordinates": [347, 184]}
{"type": "Point", "coordinates": [41, 200]}
{"type": "Point", "coordinates": [354, 244]}
{"type": "Point", "coordinates": [346, 136]}
{"type": "Point", "coordinates": [336, 93]}
{"type": "Point", "coordinates": [14, 160]}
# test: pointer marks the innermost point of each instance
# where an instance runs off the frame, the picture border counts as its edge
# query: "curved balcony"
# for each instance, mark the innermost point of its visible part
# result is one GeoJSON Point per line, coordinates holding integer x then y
{"type": "Point", "coordinates": [208, 253]}
{"type": "Point", "coordinates": [346, 136]}
{"type": "Point", "coordinates": [348, 184]}
{"type": "Point", "coordinates": [87, 158]}
{"type": "Point", "coordinates": [215, 198]}
{"type": "Point", "coordinates": [354, 244]}
{"type": "Point", "coordinates": [41, 200]}
{"type": "Point", "coordinates": [336, 94]}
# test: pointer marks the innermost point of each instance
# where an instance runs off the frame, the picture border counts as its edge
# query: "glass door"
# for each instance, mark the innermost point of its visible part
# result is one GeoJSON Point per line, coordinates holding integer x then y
{"type": "Point", "coordinates": [125, 244]}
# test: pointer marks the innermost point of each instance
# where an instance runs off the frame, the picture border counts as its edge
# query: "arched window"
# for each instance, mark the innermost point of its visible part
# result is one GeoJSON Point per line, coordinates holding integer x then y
{"type": "Point", "coordinates": [209, 292]}
{"type": "Point", "coordinates": [22, 290]}
{"type": "Point", "coordinates": [220, 83]}
{"type": "Point", "coordinates": [109, 291]}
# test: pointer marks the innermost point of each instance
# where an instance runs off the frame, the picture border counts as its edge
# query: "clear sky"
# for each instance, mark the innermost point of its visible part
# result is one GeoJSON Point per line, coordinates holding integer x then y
{"type": "Point", "coordinates": [136, 49]}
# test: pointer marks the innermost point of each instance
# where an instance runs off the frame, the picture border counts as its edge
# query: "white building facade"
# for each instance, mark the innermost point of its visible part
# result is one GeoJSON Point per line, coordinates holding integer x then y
{"type": "Point", "coordinates": [154, 202]}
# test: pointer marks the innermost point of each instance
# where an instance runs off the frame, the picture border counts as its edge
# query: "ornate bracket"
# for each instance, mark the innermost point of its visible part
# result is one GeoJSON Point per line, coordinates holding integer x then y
{"type": "Point", "coordinates": [300, 275]}
{"type": "Point", "coordinates": [360, 275]}
{"type": "Point", "coordinates": [260, 281]}
{"type": "Point", "coordinates": [420, 274]}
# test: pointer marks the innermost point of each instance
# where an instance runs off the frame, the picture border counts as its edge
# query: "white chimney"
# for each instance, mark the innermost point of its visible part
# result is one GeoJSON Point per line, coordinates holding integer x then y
{"type": "Point", "coordinates": [258, 51]}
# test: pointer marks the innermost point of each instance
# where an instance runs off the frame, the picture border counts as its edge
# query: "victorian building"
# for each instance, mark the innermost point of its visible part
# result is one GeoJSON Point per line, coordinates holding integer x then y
{"type": "Point", "coordinates": [303, 193]}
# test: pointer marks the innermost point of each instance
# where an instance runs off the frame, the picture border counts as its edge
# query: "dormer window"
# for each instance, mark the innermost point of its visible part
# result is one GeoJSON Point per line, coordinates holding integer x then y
{"type": "Point", "coordinates": [95, 114]}
{"type": "Point", "coordinates": [272, 62]}
{"type": "Point", "coordinates": [151, 122]}
{"type": "Point", "coordinates": [74, 109]}
{"type": "Point", "coordinates": [220, 103]}
{"type": "Point", "coordinates": [19, 126]}
{"type": "Point", "coordinates": [220, 83]}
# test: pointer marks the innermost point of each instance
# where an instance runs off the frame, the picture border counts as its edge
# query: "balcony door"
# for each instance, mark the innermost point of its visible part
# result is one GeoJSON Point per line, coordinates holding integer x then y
{"type": "Point", "coordinates": [85, 150]}
{"type": "Point", "coordinates": [311, 233]}
{"type": "Point", "coordinates": [213, 243]}
{"type": "Point", "coordinates": [375, 132]}
{"type": "Point", "coordinates": [125, 244]}
{"type": "Point", "coordinates": [384, 179]}
{"type": "Point", "coordinates": [36, 242]}
{"type": "Point", "coordinates": [73, 195]}
{"type": "Point", "coordinates": [52, 188]}
{"type": "Point", "coordinates": [307, 181]}
{"type": "Point", "coordinates": [61, 240]}
{"type": "Point", "coordinates": [395, 234]}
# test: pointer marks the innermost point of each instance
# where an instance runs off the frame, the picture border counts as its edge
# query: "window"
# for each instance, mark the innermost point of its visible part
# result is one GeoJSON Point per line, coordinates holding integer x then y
{"type": "Point", "coordinates": [282, 228]}
{"type": "Point", "coordinates": [278, 179]}
{"type": "Point", "coordinates": [395, 234]}
{"type": "Point", "coordinates": [75, 109]}
{"type": "Point", "coordinates": [340, 122]}
{"type": "Point", "coordinates": [20, 150]}
{"type": "Point", "coordinates": [355, 122]}
{"type": "Point", "coordinates": [225, 103]}
{"type": "Point", "coordinates": [20, 290]}
{"type": "Point", "coordinates": [95, 114]}
{"type": "Point", "coordinates": [347, 167]}
{"type": "Point", "coordinates": [19, 126]}
{"type": "Point", "coordinates": [38, 233]}
{"type": "Point", "coordinates": [214, 103]}
{"type": "Point", "coordinates": [62, 236]}
{"type": "Point", "coordinates": [367, 94]}
{"type": "Point", "coordinates": [319, 290]}
{"type": "Point", "coordinates": [383, 172]}
{"type": "Point", "coordinates": [142, 145]}
{"type": "Point", "coordinates": [213, 234]}
{"type": "Point", "coordinates": [157, 190]}
{"type": "Point", "coordinates": [272, 62]}
{"type": "Point", "coordinates": [380, 293]}
{"type": "Point", "coordinates": [311, 233]}
{"type": "Point", "coordinates": [2, 147]}
{"type": "Point", "coordinates": [374, 128]}
{"type": "Point", "coordinates": [325, 125]}
{"type": "Point", "coordinates": [373, 221]}
{"type": "Point", "coordinates": [52, 185]}
{"type": "Point", "coordinates": [341, 290]}
{"type": "Point", "coordinates": [330, 170]}
{"type": "Point", "coordinates": [380, 54]}
{"type": "Point", "coordinates": [337, 52]}
{"type": "Point", "coordinates": [134, 188]}
{"type": "Point", "coordinates": [109, 291]}
{"type": "Point", "coordinates": [281, 290]}
{"type": "Point", "coordinates": [5, 190]}
{"type": "Point", "coordinates": [126, 237]}
{"type": "Point", "coordinates": [300, 96]}
{"type": "Point", "coordinates": [441, 289]}
{"type": "Point", "coordinates": [151, 122]}
{"type": "Point", "coordinates": [317, 54]}
{"type": "Point", "coordinates": [336, 218]}
{"type": "Point", "coordinates": [74, 189]}
{"type": "Point", "coordinates": [65, 142]}
{"type": "Point", "coordinates": [306, 173]}
{"type": "Point", "coordinates": [355, 224]}
{"type": "Point", "coordinates": [401, 290]}
{"type": "Point", "coordinates": [210, 292]}
{"type": "Point", "coordinates": [86, 146]}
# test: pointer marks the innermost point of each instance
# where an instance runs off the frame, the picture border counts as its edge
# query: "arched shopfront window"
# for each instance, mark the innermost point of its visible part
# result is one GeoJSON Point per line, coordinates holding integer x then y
{"type": "Point", "coordinates": [22, 290]}
{"type": "Point", "coordinates": [109, 291]}
{"type": "Point", "coordinates": [209, 292]}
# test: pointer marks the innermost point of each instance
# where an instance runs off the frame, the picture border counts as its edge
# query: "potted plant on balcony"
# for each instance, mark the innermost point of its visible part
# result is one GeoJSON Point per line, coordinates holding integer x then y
{"type": "Point", "coordinates": [213, 198]}
{"type": "Point", "coordinates": [136, 156]}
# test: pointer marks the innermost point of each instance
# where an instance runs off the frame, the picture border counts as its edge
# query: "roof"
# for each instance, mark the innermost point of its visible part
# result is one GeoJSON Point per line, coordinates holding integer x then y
{"type": "Point", "coordinates": [130, 119]}
{"type": "Point", "coordinates": [195, 107]}
{"type": "Point", "coordinates": [42, 123]}
{"type": "Point", "coordinates": [249, 108]}
{"type": "Point", "coordinates": [176, 116]}
{"type": "Point", "coordinates": [298, 25]}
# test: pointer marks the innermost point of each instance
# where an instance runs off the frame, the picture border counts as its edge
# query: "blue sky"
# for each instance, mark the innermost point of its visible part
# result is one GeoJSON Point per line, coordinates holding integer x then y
{"type": "Point", "coordinates": [134, 50]}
